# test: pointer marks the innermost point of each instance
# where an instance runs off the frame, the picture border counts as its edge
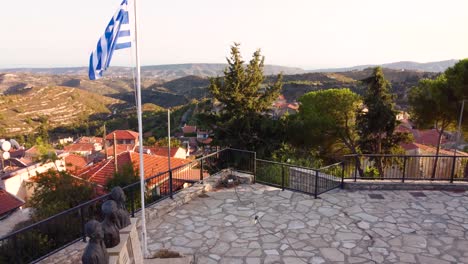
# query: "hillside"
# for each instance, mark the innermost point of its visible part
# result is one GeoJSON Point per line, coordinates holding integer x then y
{"type": "Point", "coordinates": [296, 85]}
{"type": "Point", "coordinates": [436, 66]}
{"type": "Point", "coordinates": [15, 83]}
{"type": "Point", "coordinates": [165, 72]}
{"type": "Point", "coordinates": [22, 113]}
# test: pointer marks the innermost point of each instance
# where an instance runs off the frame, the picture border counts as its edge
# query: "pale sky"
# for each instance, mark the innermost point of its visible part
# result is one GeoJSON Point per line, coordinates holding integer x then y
{"type": "Point", "coordinates": [303, 33]}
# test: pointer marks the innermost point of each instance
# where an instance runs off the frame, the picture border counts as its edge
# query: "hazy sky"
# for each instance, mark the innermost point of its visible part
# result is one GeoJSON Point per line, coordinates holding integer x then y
{"type": "Point", "coordinates": [303, 33]}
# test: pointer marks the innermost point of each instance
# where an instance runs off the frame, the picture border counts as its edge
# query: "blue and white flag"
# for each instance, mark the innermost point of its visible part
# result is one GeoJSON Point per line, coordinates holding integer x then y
{"type": "Point", "coordinates": [117, 36]}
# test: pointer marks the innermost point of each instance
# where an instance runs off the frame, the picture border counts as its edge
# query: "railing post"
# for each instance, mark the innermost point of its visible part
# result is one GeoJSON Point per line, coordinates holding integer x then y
{"type": "Point", "coordinates": [342, 174]}
{"type": "Point", "coordinates": [170, 184]}
{"type": "Point", "coordinates": [355, 168]}
{"type": "Point", "coordinates": [132, 201]}
{"type": "Point", "coordinates": [282, 177]}
{"type": "Point", "coordinates": [201, 170]}
{"type": "Point", "coordinates": [255, 167]}
{"type": "Point", "coordinates": [404, 169]}
{"type": "Point", "coordinates": [316, 184]}
{"type": "Point", "coordinates": [453, 169]}
{"type": "Point", "coordinates": [82, 224]}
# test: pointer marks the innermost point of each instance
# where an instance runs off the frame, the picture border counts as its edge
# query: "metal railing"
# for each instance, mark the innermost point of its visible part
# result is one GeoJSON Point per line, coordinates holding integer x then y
{"type": "Point", "coordinates": [297, 178]}
{"type": "Point", "coordinates": [406, 167]}
{"type": "Point", "coordinates": [42, 239]}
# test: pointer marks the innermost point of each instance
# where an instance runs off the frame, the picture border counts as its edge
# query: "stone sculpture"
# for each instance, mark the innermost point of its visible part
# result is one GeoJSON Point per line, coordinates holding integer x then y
{"type": "Point", "coordinates": [123, 217]}
{"type": "Point", "coordinates": [95, 252]}
{"type": "Point", "coordinates": [109, 225]}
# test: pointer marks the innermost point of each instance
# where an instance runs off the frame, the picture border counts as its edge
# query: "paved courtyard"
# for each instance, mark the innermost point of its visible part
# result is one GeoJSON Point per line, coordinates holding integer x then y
{"type": "Point", "coordinates": [341, 227]}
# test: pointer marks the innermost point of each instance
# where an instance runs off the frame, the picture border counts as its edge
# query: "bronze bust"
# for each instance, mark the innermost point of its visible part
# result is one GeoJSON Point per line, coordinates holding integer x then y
{"type": "Point", "coordinates": [95, 252]}
{"type": "Point", "coordinates": [109, 225]}
{"type": "Point", "coordinates": [123, 217]}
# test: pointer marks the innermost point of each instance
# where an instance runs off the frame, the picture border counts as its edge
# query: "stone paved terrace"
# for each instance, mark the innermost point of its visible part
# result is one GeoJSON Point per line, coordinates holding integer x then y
{"type": "Point", "coordinates": [342, 227]}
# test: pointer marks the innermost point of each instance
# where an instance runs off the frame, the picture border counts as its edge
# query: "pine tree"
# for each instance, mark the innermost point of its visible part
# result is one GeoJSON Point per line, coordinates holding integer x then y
{"type": "Point", "coordinates": [245, 99]}
{"type": "Point", "coordinates": [376, 123]}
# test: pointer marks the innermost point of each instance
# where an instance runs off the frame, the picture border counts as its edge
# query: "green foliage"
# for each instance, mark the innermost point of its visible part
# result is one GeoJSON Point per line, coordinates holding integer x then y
{"type": "Point", "coordinates": [240, 90]}
{"type": "Point", "coordinates": [328, 117]}
{"type": "Point", "coordinates": [151, 141]}
{"type": "Point", "coordinates": [457, 78]}
{"type": "Point", "coordinates": [54, 192]}
{"type": "Point", "coordinates": [125, 176]}
{"type": "Point", "coordinates": [242, 123]}
{"type": "Point", "coordinates": [371, 172]}
{"type": "Point", "coordinates": [433, 103]}
{"type": "Point", "coordinates": [376, 124]}
{"type": "Point", "coordinates": [305, 157]}
{"type": "Point", "coordinates": [163, 142]}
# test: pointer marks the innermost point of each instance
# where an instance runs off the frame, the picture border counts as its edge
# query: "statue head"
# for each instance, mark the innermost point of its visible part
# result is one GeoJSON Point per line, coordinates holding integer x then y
{"type": "Point", "coordinates": [109, 209]}
{"type": "Point", "coordinates": [118, 195]}
{"type": "Point", "coordinates": [93, 229]}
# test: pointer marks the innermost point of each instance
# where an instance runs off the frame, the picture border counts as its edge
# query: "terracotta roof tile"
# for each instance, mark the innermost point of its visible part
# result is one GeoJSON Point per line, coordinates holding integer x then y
{"type": "Point", "coordinates": [162, 151]}
{"type": "Point", "coordinates": [153, 165]}
{"type": "Point", "coordinates": [123, 134]}
{"type": "Point", "coordinates": [75, 162]}
{"type": "Point", "coordinates": [8, 202]}
{"type": "Point", "coordinates": [428, 137]}
{"type": "Point", "coordinates": [79, 147]}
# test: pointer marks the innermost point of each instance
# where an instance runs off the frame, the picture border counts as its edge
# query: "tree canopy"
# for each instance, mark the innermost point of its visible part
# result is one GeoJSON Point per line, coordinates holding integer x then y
{"type": "Point", "coordinates": [329, 116]}
{"type": "Point", "coordinates": [245, 100]}
{"type": "Point", "coordinates": [56, 191]}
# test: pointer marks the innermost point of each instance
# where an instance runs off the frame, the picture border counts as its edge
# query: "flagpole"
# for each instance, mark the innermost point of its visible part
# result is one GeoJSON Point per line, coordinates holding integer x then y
{"type": "Point", "coordinates": [140, 134]}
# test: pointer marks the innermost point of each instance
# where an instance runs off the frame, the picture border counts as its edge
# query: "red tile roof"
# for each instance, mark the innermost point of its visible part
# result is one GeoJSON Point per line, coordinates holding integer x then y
{"type": "Point", "coordinates": [432, 150]}
{"type": "Point", "coordinates": [79, 147]}
{"type": "Point", "coordinates": [122, 134]}
{"type": "Point", "coordinates": [428, 137]}
{"type": "Point", "coordinates": [8, 202]}
{"type": "Point", "coordinates": [75, 162]}
{"type": "Point", "coordinates": [120, 149]}
{"type": "Point", "coordinates": [162, 151]}
{"type": "Point", "coordinates": [153, 165]}
{"type": "Point", "coordinates": [189, 129]}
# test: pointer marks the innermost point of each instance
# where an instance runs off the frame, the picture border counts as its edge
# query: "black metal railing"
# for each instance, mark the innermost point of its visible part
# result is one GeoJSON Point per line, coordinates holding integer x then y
{"type": "Point", "coordinates": [297, 178]}
{"type": "Point", "coordinates": [406, 167]}
{"type": "Point", "coordinates": [40, 240]}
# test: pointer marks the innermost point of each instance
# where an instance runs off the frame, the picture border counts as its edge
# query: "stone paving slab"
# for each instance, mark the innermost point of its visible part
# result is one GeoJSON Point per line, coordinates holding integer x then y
{"type": "Point", "coordinates": [342, 227]}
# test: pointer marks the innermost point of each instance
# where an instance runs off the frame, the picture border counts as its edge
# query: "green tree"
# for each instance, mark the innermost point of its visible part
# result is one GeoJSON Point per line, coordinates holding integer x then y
{"type": "Point", "coordinates": [54, 192]}
{"type": "Point", "coordinates": [457, 78]}
{"type": "Point", "coordinates": [125, 176]}
{"type": "Point", "coordinates": [163, 142]}
{"type": "Point", "coordinates": [245, 99]}
{"type": "Point", "coordinates": [434, 104]}
{"type": "Point", "coordinates": [328, 119]}
{"type": "Point", "coordinates": [376, 123]}
{"type": "Point", "coordinates": [330, 115]}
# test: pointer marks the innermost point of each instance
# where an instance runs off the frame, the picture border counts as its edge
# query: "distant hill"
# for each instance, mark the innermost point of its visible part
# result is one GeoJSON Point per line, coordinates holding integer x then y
{"type": "Point", "coordinates": [165, 72]}
{"type": "Point", "coordinates": [13, 83]}
{"type": "Point", "coordinates": [437, 66]}
{"type": "Point", "coordinates": [296, 85]}
{"type": "Point", "coordinates": [22, 112]}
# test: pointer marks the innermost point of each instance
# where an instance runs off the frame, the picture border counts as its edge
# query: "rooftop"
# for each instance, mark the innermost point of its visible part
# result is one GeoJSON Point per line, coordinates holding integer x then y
{"type": "Point", "coordinates": [8, 202]}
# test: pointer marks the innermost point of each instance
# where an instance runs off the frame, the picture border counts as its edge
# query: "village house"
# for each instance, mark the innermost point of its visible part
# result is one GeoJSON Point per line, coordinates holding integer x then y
{"type": "Point", "coordinates": [123, 137]}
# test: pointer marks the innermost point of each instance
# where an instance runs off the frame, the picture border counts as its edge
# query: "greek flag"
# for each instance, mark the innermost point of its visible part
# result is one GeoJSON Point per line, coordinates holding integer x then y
{"type": "Point", "coordinates": [116, 36]}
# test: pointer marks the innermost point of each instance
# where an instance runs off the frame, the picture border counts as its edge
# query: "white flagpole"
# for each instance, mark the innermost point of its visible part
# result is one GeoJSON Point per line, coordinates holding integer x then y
{"type": "Point", "coordinates": [140, 135]}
